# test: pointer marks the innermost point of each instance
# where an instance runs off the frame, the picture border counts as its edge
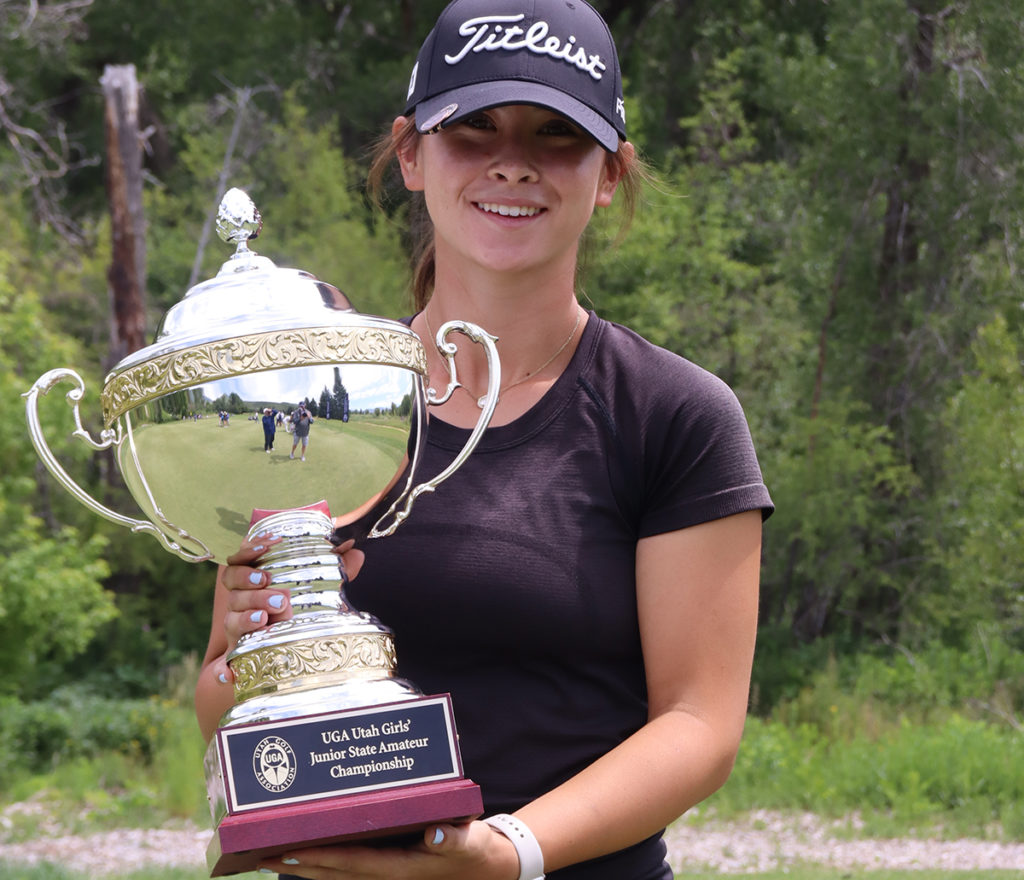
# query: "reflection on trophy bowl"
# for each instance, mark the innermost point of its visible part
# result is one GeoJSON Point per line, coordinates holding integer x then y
{"type": "Point", "coordinates": [268, 404]}
{"type": "Point", "coordinates": [198, 476]}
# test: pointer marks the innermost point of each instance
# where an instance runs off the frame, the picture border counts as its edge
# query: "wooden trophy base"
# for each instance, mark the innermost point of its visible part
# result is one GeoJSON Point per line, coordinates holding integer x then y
{"type": "Point", "coordinates": [243, 840]}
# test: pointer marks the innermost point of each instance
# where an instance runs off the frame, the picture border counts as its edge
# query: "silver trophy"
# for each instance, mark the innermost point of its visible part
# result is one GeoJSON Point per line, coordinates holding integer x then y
{"type": "Point", "coordinates": [324, 742]}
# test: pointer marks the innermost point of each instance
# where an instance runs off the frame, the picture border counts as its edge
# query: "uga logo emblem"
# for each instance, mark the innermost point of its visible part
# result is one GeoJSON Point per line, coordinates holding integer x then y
{"type": "Point", "coordinates": [273, 762]}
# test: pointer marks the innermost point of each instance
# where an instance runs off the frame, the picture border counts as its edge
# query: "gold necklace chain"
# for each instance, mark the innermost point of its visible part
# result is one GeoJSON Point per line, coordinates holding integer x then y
{"type": "Point", "coordinates": [482, 401]}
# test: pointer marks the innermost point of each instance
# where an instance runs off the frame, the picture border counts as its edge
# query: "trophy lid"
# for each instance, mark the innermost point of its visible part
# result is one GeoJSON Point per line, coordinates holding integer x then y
{"type": "Point", "coordinates": [249, 293]}
{"type": "Point", "coordinates": [248, 301]}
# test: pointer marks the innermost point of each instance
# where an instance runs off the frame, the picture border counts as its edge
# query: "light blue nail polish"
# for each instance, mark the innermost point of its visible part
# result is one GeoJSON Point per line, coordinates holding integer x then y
{"type": "Point", "coordinates": [258, 548]}
{"type": "Point", "coordinates": [290, 861]}
{"type": "Point", "coordinates": [222, 678]}
{"type": "Point", "coordinates": [256, 578]}
{"type": "Point", "coordinates": [265, 871]}
{"type": "Point", "coordinates": [256, 616]}
{"type": "Point", "coordinates": [438, 836]}
{"type": "Point", "coordinates": [261, 534]}
{"type": "Point", "coordinates": [276, 601]}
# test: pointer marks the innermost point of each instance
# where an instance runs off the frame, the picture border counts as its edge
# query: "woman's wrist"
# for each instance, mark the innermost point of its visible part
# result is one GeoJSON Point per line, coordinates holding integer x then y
{"type": "Point", "coordinates": [531, 859]}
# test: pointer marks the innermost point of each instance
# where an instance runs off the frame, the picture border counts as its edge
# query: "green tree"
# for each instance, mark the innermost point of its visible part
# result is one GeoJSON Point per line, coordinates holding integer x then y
{"type": "Point", "coordinates": [904, 112]}
{"type": "Point", "coordinates": [339, 396]}
{"type": "Point", "coordinates": [981, 497]}
{"type": "Point", "coordinates": [52, 599]}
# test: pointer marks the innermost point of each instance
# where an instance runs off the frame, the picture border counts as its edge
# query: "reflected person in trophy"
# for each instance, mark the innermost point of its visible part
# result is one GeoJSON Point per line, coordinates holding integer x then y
{"type": "Point", "coordinates": [587, 588]}
{"type": "Point", "coordinates": [269, 429]}
{"type": "Point", "coordinates": [302, 420]}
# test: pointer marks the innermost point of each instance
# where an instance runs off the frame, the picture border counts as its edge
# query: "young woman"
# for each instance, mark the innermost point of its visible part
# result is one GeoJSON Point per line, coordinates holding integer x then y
{"type": "Point", "coordinates": [585, 586]}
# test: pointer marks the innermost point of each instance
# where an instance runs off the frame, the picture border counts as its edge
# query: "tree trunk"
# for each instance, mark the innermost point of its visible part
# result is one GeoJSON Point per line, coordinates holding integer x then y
{"type": "Point", "coordinates": [126, 276]}
{"type": "Point", "coordinates": [898, 264]}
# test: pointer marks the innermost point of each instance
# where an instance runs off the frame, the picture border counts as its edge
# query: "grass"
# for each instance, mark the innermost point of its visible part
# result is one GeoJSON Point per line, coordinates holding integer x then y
{"type": "Point", "coordinates": [953, 777]}
{"type": "Point", "coordinates": [816, 873]}
{"type": "Point", "coordinates": [56, 872]}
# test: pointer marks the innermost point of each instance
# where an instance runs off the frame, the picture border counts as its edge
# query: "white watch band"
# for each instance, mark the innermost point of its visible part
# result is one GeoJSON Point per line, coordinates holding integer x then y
{"type": "Point", "coordinates": [531, 859]}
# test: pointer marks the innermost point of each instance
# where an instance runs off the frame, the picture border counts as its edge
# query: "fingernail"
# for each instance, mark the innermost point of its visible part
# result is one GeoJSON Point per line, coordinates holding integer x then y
{"type": "Point", "coordinates": [290, 861]}
{"type": "Point", "coordinates": [256, 616]}
{"type": "Point", "coordinates": [265, 871]}
{"type": "Point", "coordinates": [259, 548]}
{"type": "Point", "coordinates": [276, 601]}
{"type": "Point", "coordinates": [256, 578]}
{"type": "Point", "coordinates": [438, 836]}
{"type": "Point", "coordinates": [222, 678]}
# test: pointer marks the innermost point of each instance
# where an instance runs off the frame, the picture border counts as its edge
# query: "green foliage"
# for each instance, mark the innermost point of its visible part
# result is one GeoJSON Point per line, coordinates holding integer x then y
{"type": "Point", "coordinates": [309, 194]}
{"type": "Point", "coordinates": [341, 242]}
{"type": "Point", "coordinates": [698, 274]}
{"type": "Point", "coordinates": [108, 762]}
{"type": "Point", "coordinates": [930, 738]}
{"type": "Point", "coordinates": [982, 679]}
{"type": "Point", "coordinates": [834, 230]}
{"type": "Point", "coordinates": [72, 723]}
{"type": "Point", "coordinates": [841, 487]}
{"type": "Point", "coordinates": [784, 666]}
{"type": "Point", "coordinates": [51, 598]}
{"type": "Point", "coordinates": [982, 493]}
{"type": "Point", "coordinates": [953, 770]}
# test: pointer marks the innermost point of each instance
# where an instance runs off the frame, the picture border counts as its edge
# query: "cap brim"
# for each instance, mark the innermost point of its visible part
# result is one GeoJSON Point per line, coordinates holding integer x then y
{"type": "Point", "coordinates": [460, 103]}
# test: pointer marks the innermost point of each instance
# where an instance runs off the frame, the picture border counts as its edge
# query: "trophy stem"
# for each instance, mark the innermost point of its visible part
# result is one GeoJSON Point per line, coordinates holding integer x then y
{"type": "Point", "coordinates": [326, 644]}
{"type": "Point", "coordinates": [303, 561]}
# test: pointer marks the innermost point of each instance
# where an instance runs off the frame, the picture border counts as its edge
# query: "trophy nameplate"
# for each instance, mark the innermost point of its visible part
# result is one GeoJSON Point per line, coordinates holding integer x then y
{"type": "Point", "coordinates": [380, 771]}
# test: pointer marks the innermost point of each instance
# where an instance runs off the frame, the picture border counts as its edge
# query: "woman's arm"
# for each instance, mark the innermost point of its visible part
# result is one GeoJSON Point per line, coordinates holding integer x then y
{"type": "Point", "coordinates": [697, 597]}
{"type": "Point", "coordinates": [214, 691]}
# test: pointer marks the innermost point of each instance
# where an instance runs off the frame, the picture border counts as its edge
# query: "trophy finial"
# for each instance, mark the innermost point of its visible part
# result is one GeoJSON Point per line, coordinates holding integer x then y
{"type": "Point", "coordinates": [238, 220]}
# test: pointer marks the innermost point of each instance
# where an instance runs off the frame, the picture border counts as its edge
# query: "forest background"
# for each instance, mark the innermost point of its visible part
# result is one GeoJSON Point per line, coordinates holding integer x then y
{"type": "Point", "coordinates": [835, 231]}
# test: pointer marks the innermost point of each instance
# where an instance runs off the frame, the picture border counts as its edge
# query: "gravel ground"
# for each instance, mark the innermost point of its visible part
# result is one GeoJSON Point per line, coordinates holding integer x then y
{"type": "Point", "coordinates": [769, 841]}
{"type": "Point", "coordinates": [765, 841]}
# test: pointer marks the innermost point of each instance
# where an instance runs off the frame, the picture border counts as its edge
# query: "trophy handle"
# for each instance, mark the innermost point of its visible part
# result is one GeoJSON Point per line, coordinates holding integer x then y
{"type": "Point", "coordinates": [109, 437]}
{"type": "Point", "coordinates": [490, 401]}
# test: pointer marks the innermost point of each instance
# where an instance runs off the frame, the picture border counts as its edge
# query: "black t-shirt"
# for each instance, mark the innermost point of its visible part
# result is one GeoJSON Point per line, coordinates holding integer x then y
{"type": "Point", "coordinates": [512, 586]}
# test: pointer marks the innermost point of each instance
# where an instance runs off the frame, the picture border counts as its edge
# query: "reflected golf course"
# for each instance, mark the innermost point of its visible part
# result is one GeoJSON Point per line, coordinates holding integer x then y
{"type": "Point", "coordinates": [209, 478]}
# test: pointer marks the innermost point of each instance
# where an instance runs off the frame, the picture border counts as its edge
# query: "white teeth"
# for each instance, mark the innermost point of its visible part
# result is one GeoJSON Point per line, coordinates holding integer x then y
{"type": "Point", "coordinates": [508, 210]}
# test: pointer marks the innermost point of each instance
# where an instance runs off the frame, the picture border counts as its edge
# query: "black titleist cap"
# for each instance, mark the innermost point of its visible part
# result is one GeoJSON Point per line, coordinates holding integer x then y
{"type": "Point", "coordinates": [557, 54]}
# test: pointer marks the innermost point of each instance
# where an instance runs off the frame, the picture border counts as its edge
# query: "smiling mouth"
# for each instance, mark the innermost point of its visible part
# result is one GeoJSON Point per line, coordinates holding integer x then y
{"type": "Point", "coordinates": [508, 210]}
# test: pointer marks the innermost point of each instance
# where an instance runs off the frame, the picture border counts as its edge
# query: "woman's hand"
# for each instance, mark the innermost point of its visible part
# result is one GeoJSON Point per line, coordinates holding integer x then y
{"type": "Point", "coordinates": [252, 600]}
{"type": "Point", "coordinates": [473, 851]}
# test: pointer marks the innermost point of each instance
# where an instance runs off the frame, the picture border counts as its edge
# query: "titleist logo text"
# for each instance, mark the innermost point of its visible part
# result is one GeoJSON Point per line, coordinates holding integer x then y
{"type": "Point", "coordinates": [493, 32]}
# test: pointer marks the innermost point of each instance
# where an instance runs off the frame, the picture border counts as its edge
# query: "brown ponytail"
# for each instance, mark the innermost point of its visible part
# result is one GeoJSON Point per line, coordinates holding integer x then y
{"type": "Point", "coordinates": [421, 230]}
